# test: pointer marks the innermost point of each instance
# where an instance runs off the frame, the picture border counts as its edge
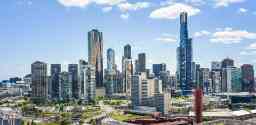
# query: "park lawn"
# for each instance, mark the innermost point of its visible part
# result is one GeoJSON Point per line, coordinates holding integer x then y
{"type": "Point", "coordinates": [124, 117]}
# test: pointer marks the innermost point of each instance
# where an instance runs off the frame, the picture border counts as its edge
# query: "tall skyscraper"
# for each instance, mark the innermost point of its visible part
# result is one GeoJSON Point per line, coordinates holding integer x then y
{"type": "Point", "coordinates": [95, 54]}
{"type": "Point", "coordinates": [185, 57]}
{"type": "Point", "coordinates": [127, 70]}
{"type": "Point", "coordinates": [110, 73]}
{"type": "Point", "coordinates": [127, 51]}
{"type": "Point", "coordinates": [65, 80]}
{"type": "Point", "coordinates": [73, 70]}
{"type": "Point", "coordinates": [216, 66]}
{"type": "Point", "coordinates": [81, 78]}
{"type": "Point", "coordinates": [55, 71]}
{"type": "Point", "coordinates": [142, 62]}
{"type": "Point", "coordinates": [227, 62]}
{"type": "Point", "coordinates": [90, 79]}
{"type": "Point", "coordinates": [39, 81]}
{"type": "Point", "coordinates": [110, 59]}
{"type": "Point", "coordinates": [158, 68]}
{"type": "Point", "coordinates": [247, 78]}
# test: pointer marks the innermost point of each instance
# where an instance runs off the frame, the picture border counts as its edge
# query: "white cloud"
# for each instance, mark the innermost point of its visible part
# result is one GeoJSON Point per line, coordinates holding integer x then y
{"type": "Point", "coordinates": [226, 3]}
{"type": "Point", "coordinates": [202, 33]}
{"type": "Point", "coordinates": [248, 53]}
{"type": "Point", "coordinates": [166, 40]}
{"type": "Point", "coordinates": [229, 36]}
{"type": "Point", "coordinates": [106, 9]}
{"type": "Point", "coordinates": [173, 11]}
{"type": "Point", "coordinates": [242, 10]}
{"type": "Point", "coordinates": [252, 46]}
{"type": "Point", "coordinates": [125, 16]}
{"type": "Point", "coordinates": [190, 2]}
{"type": "Point", "coordinates": [109, 2]}
{"type": "Point", "coordinates": [133, 6]}
{"type": "Point", "coordinates": [75, 3]}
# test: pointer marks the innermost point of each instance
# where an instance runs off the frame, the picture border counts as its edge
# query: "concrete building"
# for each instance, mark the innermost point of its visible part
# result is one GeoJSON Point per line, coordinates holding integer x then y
{"type": "Point", "coordinates": [10, 116]}
{"type": "Point", "coordinates": [65, 80]}
{"type": "Point", "coordinates": [39, 81]}
{"type": "Point", "coordinates": [83, 94]}
{"type": "Point", "coordinates": [248, 84]}
{"type": "Point", "coordinates": [55, 85]}
{"type": "Point", "coordinates": [73, 70]}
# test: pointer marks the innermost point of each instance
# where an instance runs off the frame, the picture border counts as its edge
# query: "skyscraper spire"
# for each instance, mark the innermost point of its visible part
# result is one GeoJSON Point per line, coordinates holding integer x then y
{"type": "Point", "coordinates": [184, 55]}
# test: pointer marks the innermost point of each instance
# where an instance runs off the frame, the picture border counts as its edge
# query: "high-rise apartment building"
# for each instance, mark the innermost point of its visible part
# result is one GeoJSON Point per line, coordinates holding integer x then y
{"type": "Point", "coordinates": [95, 54]}
{"type": "Point", "coordinates": [227, 62]}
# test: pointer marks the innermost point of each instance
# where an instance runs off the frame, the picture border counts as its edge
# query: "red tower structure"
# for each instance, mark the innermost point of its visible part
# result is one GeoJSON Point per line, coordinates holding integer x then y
{"type": "Point", "coordinates": [198, 105]}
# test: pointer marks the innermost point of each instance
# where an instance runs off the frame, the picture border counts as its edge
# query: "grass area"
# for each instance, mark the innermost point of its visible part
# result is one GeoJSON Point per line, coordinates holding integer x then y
{"type": "Point", "coordinates": [90, 112]}
{"type": "Point", "coordinates": [115, 102]}
{"type": "Point", "coordinates": [124, 117]}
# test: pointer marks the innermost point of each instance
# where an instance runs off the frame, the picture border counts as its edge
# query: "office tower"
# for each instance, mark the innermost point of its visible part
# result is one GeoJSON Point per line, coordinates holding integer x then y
{"type": "Point", "coordinates": [135, 90]}
{"type": "Point", "coordinates": [216, 81]}
{"type": "Point", "coordinates": [28, 81]}
{"type": "Point", "coordinates": [127, 51]}
{"type": "Point", "coordinates": [118, 84]}
{"type": "Point", "coordinates": [236, 85]}
{"type": "Point", "coordinates": [184, 56]}
{"type": "Point", "coordinates": [73, 70]}
{"type": "Point", "coordinates": [81, 81]}
{"type": "Point", "coordinates": [65, 80]}
{"type": "Point", "coordinates": [55, 85]}
{"type": "Point", "coordinates": [198, 75]}
{"type": "Point", "coordinates": [95, 54]}
{"type": "Point", "coordinates": [193, 70]}
{"type": "Point", "coordinates": [110, 73]}
{"type": "Point", "coordinates": [90, 79]}
{"type": "Point", "coordinates": [157, 68]}
{"type": "Point", "coordinates": [216, 66]}
{"type": "Point", "coordinates": [39, 81]}
{"type": "Point", "coordinates": [173, 82]}
{"type": "Point", "coordinates": [165, 77]}
{"type": "Point", "coordinates": [127, 73]}
{"type": "Point", "coordinates": [162, 102]}
{"type": "Point", "coordinates": [227, 62]}
{"type": "Point", "coordinates": [127, 70]}
{"type": "Point", "coordinates": [110, 60]}
{"type": "Point", "coordinates": [136, 66]}
{"type": "Point", "coordinates": [247, 78]}
{"type": "Point", "coordinates": [231, 79]}
{"type": "Point", "coordinates": [205, 80]}
{"type": "Point", "coordinates": [141, 62]}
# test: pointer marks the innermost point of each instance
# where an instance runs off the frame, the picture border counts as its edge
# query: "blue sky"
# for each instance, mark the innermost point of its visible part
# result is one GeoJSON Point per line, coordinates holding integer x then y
{"type": "Point", "coordinates": [55, 31]}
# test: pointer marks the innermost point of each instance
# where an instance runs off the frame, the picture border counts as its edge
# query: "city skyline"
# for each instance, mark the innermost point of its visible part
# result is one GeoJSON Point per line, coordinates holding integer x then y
{"type": "Point", "coordinates": [54, 46]}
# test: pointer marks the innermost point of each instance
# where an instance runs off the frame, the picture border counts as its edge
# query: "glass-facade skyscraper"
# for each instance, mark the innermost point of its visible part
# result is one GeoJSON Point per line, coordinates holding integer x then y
{"type": "Point", "coordinates": [39, 81]}
{"type": "Point", "coordinates": [55, 72]}
{"type": "Point", "coordinates": [95, 54]}
{"type": "Point", "coordinates": [110, 60]}
{"type": "Point", "coordinates": [185, 56]}
{"type": "Point", "coordinates": [73, 70]}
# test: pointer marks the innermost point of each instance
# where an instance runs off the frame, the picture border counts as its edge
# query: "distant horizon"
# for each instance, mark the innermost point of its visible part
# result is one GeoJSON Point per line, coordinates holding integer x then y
{"type": "Point", "coordinates": [56, 31]}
